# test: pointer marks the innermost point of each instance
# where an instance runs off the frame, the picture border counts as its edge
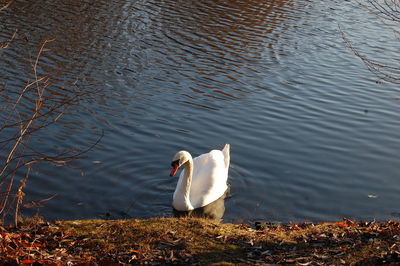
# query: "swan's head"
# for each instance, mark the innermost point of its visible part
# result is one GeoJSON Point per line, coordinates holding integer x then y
{"type": "Point", "coordinates": [179, 159]}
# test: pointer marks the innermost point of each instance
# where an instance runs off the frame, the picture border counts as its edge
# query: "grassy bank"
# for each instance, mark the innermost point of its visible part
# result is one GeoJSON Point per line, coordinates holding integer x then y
{"type": "Point", "coordinates": [199, 241]}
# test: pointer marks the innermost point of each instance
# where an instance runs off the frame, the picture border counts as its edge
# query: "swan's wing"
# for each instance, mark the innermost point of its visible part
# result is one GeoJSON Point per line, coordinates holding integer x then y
{"type": "Point", "coordinates": [209, 180]}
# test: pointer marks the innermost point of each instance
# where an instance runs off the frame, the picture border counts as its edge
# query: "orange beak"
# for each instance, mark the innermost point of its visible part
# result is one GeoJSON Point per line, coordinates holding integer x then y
{"type": "Point", "coordinates": [174, 169]}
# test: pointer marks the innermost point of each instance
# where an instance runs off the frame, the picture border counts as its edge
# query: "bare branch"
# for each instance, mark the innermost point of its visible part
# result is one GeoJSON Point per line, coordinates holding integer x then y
{"type": "Point", "coordinates": [23, 115]}
{"type": "Point", "coordinates": [6, 195]}
{"type": "Point", "coordinates": [388, 10]}
{"type": "Point", "coordinates": [6, 5]}
{"type": "Point", "coordinates": [383, 8]}
{"type": "Point", "coordinates": [7, 43]}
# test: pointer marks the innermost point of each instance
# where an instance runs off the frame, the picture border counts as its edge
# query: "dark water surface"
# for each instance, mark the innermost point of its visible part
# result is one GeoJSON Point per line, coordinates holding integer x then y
{"type": "Point", "coordinates": [313, 135]}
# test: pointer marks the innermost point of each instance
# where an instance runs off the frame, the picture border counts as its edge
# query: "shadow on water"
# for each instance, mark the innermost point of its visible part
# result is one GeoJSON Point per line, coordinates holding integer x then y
{"type": "Point", "coordinates": [215, 210]}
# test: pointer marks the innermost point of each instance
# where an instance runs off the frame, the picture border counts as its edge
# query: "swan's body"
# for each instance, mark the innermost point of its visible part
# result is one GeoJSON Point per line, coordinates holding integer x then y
{"type": "Point", "coordinates": [203, 180]}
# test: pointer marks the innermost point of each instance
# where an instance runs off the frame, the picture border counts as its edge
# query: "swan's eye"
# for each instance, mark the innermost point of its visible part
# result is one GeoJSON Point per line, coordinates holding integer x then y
{"type": "Point", "coordinates": [175, 163]}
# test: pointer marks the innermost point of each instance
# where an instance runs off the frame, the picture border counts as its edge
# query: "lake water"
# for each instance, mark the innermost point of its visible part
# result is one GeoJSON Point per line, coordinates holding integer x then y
{"type": "Point", "coordinates": [315, 136]}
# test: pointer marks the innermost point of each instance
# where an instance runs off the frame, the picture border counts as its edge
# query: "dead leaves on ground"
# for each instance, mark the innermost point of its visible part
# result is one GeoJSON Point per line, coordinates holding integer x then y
{"type": "Point", "coordinates": [43, 247]}
{"type": "Point", "coordinates": [345, 242]}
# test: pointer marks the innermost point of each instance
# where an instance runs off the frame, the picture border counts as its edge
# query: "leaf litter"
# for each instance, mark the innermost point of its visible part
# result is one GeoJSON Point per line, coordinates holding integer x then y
{"type": "Point", "coordinates": [199, 241]}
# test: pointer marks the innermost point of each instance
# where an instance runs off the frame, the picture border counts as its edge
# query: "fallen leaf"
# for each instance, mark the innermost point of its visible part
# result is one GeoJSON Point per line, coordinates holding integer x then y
{"type": "Point", "coordinates": [27, 261]}
{"type": "Point", "coordinates": [341, 224]}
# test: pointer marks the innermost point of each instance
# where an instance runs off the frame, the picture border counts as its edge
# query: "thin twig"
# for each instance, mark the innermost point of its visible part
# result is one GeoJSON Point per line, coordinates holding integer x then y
{"type": "Point", "coordinates": [7, 43]}
{"type": "Point", "coordinates": [6, 5]}
{"type": "Point", "coordinates": [46, 110]}
{"type": "Point", "coordinates": [387, 10]}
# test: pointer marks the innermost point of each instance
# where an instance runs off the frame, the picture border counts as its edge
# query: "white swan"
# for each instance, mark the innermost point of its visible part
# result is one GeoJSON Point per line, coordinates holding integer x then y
{"type": "Point", "coordinates": [203, 180]}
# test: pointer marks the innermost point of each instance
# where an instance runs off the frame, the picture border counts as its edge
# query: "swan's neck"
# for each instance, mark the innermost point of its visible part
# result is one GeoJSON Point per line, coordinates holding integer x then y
{"type": "Point", "coordinates": [185, 184]}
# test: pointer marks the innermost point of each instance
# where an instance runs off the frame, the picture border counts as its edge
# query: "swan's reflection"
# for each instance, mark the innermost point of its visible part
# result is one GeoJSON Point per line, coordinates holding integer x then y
{"type": "Point", "coordinates": [215, 210]}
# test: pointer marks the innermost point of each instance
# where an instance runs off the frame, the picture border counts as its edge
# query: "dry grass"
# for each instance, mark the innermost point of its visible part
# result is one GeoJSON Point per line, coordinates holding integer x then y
{"type": "Point", "coordinates": [200, 241]}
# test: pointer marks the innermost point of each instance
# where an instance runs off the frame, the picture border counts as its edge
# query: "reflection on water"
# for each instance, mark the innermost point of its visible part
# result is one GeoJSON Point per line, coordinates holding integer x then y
{"type": "Point", "coordinates": [273, 78]}
{"type": "Point", "coordinates": [215, 210]}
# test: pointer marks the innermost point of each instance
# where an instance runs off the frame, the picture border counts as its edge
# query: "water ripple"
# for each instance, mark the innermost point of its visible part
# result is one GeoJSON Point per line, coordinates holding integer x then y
{"type": "Point", "coordinates": [312, 133]}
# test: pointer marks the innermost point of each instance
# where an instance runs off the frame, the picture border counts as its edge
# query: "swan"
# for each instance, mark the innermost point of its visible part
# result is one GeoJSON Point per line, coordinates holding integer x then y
{"type": "Point", "coordinates": [203, 180]}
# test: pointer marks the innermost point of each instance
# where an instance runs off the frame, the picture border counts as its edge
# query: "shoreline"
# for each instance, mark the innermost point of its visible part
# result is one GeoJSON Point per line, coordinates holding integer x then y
{"type": "Point", "coordinates": [199, 241]}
